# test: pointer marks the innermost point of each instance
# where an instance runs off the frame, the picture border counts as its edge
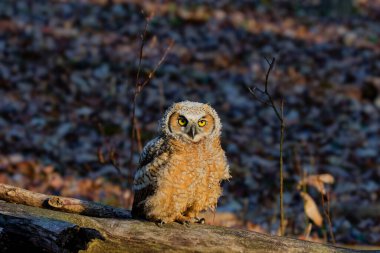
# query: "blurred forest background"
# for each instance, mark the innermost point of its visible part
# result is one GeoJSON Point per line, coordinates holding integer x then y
{"type": "Point", "coordinates": [68, 70]}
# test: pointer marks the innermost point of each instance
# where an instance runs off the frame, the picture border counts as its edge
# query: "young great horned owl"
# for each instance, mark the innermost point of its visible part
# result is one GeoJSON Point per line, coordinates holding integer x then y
{"type": "Point", "coordinates": [180, 171]}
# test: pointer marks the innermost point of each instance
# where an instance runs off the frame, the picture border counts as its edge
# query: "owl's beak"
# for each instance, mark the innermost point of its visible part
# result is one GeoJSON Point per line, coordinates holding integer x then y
{"type": "Point", "coordinates": [192, 132]}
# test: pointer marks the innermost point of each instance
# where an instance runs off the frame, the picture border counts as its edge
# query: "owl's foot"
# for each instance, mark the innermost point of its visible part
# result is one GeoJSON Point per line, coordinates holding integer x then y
{"type": "Point", "coordinates": [160, 224]}
{"type": "Point", "coordinates": [199, 220]}
{"type": "Point", "coordinates": [186, 224]}
{"type": "Point", "coordinates": [183, 220]}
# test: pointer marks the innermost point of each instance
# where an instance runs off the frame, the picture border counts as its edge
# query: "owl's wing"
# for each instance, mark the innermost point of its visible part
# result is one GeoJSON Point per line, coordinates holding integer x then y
{"type": "Point", "coordinates": [150, 151]}
{"type": "Point", "coordinates": [153, 157]}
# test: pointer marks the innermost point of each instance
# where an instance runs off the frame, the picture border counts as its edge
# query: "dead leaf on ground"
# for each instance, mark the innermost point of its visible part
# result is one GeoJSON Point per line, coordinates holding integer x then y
{"type": "Point", "coordinates": [317, 181]}
{"type": "Point", "coordinates": [311, 209]}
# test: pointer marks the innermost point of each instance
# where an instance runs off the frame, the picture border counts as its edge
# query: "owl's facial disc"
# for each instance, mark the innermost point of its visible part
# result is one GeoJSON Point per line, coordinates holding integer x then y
{"type": "Point", "coordinates": [192, 127]}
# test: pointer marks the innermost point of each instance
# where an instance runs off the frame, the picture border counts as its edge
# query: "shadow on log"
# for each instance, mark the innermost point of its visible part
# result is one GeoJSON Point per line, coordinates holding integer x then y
{"type": "Point", "coordinates": [32, 229]}
{"type": "Point", "coordinates": [26, 233]}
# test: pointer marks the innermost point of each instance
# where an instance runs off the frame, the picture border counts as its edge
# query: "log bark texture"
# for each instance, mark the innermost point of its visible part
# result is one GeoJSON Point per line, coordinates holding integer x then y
{"type": "Point", "coordinates": [30, 229]}
{"type": "Point", "coordinates": [32, 224]}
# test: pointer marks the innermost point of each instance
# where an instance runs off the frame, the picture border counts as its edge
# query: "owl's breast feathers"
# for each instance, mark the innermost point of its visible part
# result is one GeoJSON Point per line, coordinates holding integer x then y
{"type": "Point", "coordinates": [197, 168]}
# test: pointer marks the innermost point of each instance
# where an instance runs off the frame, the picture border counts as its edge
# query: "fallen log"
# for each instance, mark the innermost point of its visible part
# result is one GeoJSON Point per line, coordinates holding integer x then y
{"type": "Point", "coordinates": [33, 229]}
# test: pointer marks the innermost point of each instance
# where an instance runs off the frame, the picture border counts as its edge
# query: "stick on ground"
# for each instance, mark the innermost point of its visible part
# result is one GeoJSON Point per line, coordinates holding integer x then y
{"type": "Point", "coordinates": [70, 205]}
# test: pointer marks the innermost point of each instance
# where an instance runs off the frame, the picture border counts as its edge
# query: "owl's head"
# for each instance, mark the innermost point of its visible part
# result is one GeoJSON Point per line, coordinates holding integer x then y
{"type": "Point", "coordinates": [191, 122]}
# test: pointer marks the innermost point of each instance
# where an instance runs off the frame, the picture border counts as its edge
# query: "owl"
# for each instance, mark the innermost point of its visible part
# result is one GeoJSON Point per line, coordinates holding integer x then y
{"type": "Point", "coordinates": [180, 171]}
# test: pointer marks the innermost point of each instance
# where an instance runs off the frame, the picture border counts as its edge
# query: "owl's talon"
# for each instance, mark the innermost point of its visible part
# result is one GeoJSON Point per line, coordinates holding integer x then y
{"type": "Point", "coordinates": [160, 224]}
{"type": "Point", "coordinates": [200, 220]}
{"type": "Point", "coordinates": [186, 223]}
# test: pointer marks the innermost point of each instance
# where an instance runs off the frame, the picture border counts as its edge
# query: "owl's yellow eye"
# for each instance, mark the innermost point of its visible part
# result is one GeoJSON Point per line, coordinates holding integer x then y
{"type": "Point", "coordinates": [202, 123]}
{"type": "Point", "coordinates": [182, 121]}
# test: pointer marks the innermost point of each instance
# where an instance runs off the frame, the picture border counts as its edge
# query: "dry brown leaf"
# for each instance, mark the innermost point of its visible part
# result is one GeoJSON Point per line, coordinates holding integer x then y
{"type": "Point", "coordinates": [313, 181]}
{"type": "Point", "coordinates": [317, 181]}
{"type": "Point", "coordinates": [311, 209]}
{"type": "Point", "coordinates": [326, 178]}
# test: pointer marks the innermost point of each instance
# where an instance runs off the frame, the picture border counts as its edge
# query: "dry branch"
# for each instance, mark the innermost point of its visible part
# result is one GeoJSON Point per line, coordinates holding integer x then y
{"type": "Point", "coordinates": [280, 116]}
{"type": "Point", "coordinates": [21, 196]}
{"type": "Point", "coordinates": [139, 86]}
{"type": "Point", "coordinates": [326, 212]}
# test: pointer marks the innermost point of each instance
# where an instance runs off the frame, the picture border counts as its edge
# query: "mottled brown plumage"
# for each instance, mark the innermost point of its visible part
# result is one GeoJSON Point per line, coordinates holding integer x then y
{"type": "Point", "coordinates": [180, 171]}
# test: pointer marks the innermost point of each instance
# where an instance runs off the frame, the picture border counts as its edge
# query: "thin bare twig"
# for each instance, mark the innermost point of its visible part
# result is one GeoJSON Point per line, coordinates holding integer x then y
{"type": "Point", "coordinates": [153, 72]}
{"type": "Point", "coordinates": [143, 36]}
{"type": "Point", "coordinates": [271, 64]}
{"type": "Point", "coordinates": [113, 157]}
{"type": "Point", "coordinates": [138, 136]}
{"type": "Point", "coordinates": [280, 116]}
{"type": "Point", "coordinates": [326, 211]}
{"type": "Point", "coordinates": [252, 91]}
{"type": "Point", "coordinates": [110, 149]}
{"type": "Point", "coordinates": [136, 92]}
{"type": "Point", "coordinates": [139, 86]}
{"type": "Point", "coordinates": [282, 220]}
